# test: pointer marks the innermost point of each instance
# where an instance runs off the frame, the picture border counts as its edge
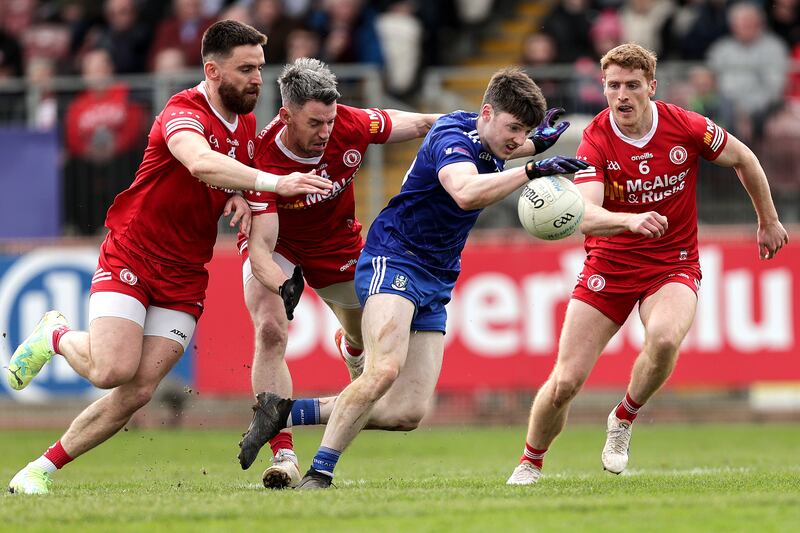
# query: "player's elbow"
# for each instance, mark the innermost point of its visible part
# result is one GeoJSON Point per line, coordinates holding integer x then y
{"type": "Point", "coordinates": [467, 201]}
{"type": "Point", "coordinates": [202, 166]}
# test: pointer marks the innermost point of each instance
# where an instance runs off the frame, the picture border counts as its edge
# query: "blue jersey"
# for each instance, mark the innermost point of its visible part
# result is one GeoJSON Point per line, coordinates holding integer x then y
{"type": "Point", "coordinates": [423, 220]}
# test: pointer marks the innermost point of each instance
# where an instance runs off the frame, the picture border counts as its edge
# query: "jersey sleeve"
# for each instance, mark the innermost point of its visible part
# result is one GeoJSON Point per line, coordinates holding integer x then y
{"type": "Point", "coordinates": [709, 138]}
{"type": "Point", "coordinates": [451, 146]}
{"type": "Point", "coordinates": [183, 115]}
{"type": "Point", "coordinates": [373, 125]}
{"type": "Point", "coordinates": [261, 202]}
{"type": "Point", "coordinates": [589, 151]}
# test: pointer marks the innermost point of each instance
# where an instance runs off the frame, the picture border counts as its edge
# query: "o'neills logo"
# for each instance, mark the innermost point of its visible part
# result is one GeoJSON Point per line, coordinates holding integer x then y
{"type": "Point", "coordinates": [678, 155]}
{"type": "Point", "coordinates": [128, 277]}
{"type": "Point", "coordinates": [352, 158]}
{"type": "Point", "coordinates": [596, 282]}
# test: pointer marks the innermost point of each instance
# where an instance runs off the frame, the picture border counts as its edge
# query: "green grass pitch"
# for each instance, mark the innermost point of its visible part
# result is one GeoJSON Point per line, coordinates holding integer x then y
{"type": "Point", "coordinates": [681, 478]}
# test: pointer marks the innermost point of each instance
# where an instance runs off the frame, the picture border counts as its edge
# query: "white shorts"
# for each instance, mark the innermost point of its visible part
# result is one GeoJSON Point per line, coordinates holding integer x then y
{"type": "Point", "coordinates": [156, 321]}
{"type": "Point", "coordinates": [342, 295]}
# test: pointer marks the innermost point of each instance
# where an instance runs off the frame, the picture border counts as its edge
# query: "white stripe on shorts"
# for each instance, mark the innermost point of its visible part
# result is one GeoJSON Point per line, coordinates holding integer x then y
{"type": "Point", "coordinates": [379, 271]}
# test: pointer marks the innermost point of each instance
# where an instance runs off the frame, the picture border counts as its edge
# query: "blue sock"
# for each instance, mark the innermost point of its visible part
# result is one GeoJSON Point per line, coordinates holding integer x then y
{"type": "Point", "coordinates": [325, 460]}
{"type": "Point", "coordinates": [305, 412]}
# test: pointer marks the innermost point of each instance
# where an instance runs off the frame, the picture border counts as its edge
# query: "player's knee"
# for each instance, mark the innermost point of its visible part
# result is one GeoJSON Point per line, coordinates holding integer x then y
{"type": "Point", "coordinates": [137, 398]}
{"type": "Point", "coordinates": [566, 388]}
{"type": "Point", "coordinates": [380, 378]}
{"type": "Point", "coordinates": [409, 420]}
{"type": "Point", "coordinates": [663, 348]}
{"type": "Point", "coordinates": [270, 332]}
{"type": "Point", "coordinates": [111, 377]}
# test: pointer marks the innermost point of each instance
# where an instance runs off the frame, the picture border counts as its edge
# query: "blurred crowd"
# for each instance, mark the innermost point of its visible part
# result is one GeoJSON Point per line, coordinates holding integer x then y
{"type": "Point", "coordinates": [402, 36]}
{"type": "Point", "coordinates": [742, 68]}
{"type": "Point", "coordinates": [739, 53]}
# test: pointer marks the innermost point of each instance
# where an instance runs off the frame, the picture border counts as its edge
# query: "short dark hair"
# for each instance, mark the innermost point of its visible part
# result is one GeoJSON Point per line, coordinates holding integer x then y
{"type": "Point", "coordinates": [512, 91]}
{"type": "Point", "coordinates": [307, 79]}
{"type": "Point", "coordinates": [222, 37]}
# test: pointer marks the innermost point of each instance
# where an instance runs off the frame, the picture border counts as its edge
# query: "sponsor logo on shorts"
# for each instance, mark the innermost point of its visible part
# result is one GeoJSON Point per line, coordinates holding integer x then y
{"type": "Point", "coordinates": [179, 333]}
{"type": "Point", "coordinates": [347, 265]}
{"type": "Point", "coordinates": [352, 158]}
{"type": "Point", "coordinates": [678, 155]}
{"type": "Point", "coordinates": [596, 282]}
{"type": "Point", "coordinates": [128, 277]}
{"type": "Point", "coordinates": [400, 282]}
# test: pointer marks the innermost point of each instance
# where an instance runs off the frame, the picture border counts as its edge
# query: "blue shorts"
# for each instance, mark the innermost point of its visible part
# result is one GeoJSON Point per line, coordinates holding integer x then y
{"type": "Point", "coordinates": [410, 278]}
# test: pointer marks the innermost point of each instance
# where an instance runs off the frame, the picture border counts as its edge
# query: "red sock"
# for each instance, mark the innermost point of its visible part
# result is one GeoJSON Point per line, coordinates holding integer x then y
{"type": "Point", "coordinates": [352, 350]}
{"type": "Point", "coordinates": [532, 455]}
{"type": "Point", "coordinates": [56, 455]}
{"type": "Point", "coordinates": [627, 409]}
{"type": "Point", "coordinates": [282, 440]}
{"type": "Point", "coordinates": [57, 334]}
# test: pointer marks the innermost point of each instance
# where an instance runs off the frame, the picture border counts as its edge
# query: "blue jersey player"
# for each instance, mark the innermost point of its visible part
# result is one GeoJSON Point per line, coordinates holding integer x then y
{"type": "Point", "coordinates": [410, 263]}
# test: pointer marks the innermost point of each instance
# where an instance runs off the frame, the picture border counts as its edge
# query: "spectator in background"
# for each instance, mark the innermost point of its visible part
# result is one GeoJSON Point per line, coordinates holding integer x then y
{"type": "Point", "coordinates": [103, 129]}
{"type": "Point", "coordinates": [40, 72]}
{"type": "Point", "coordinates": [692, 29]}
{"type": "Point", "coordinates": [268, 17]}
{"type": "Point", "coordinates": [784, 19]}
{"type": "Point", "coordinates": [302, 42]}
{"type": "Point", "coordinates": [10, 56]}
{"type": "Point", "coordinates": [124, 36]}
{"type": "Point", "coordinates": [540, 51]}
{"type": "Point", "coordinates": [348, 32]}
{"type": "Point", "coordinates": [705, 99]}
{"type": "Point", "coordinates": [169, 61]}
{"type": "Point", "coordinates": [643, 22]}
{"type": "Point", "coordinates": [605, 34]}
{"type": "Point", "coordinates": [570, 23]}
{"type": "Point", "coordinates": [400, 34]}
{"type": "Point", "coordinates": [751, 66]}
{"type": "Point", "coordinates": [183, 30]}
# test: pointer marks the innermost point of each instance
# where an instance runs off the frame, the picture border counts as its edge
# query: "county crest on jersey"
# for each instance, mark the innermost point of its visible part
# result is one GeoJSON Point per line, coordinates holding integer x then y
{"type": "Point", "coordinates": [655, 173]}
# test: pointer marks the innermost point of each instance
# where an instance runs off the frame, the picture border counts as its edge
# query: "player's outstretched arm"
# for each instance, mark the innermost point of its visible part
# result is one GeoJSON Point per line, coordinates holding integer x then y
{"type": "Point", "coordinates": [771, 235]}
{"type": "Point", "coordinates": [471, 190]}
{"type": "Point", "coordinates": [407, 126]}
{"type": "Point", "coordinates": [601, 222]}
{"type": "Point", "coordinates": [219, 170]}
{"type": "Point", "coordinates": [261, 244]}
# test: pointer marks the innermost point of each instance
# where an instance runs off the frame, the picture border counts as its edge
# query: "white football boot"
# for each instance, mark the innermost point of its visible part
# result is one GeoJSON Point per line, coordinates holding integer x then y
{"type": "Point", "coordinates": [524, 474]}
{"type": "Point", "coordinates": [30, 480]}
{"type": "Point", "coordinates": [618, 442]}
{"type": "Point", "coordinates": [284, 472]}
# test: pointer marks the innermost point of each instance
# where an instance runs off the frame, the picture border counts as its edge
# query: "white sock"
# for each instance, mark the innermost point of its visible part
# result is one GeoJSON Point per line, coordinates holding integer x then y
{"type": "Point", "coordinates": [45, 464]}
{"type": "Point", "coordinates": [347, 353]}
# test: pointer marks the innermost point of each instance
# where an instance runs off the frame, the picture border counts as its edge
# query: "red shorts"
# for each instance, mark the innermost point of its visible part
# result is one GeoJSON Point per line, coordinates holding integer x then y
{"type": "Point", "coordinates": [124, 271]}
{"type": "Point", "coordinates": [323, 267]}
{"type": "Point", "coordinates": [615, 288]}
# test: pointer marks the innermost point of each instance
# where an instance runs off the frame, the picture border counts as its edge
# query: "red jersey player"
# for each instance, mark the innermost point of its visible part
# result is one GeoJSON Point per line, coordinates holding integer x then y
{"type": "Point", "coordinates": [320, 234]}
{"type": "Point", "coordinates": [149, 287]}
{"type": "Point", "coordinates": [641, 243]}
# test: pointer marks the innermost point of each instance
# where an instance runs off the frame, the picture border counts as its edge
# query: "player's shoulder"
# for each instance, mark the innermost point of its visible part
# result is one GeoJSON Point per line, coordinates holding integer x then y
{"type": "Point", "coordinates": [672, 111]}
{"type": "Point", "coordinates": [599, 126]}
{"type": "Point", "coordinates": [456, 123]}
{"type": "Point", "coordinates": [187, 98]}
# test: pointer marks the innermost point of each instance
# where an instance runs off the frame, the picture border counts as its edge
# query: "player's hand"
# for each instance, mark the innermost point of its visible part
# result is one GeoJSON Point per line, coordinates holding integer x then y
{"type": "Point", "coordinates": [649, 224]}
{"type": "Point", "coordinates": [771, 238]}
{"type": "Point", "coordinates": [553, 165]}
{"type": "Point", "coordinates": [241, 213]}
{"type": "Point", "coordinates": [302, 183]}
{"type": "Point", "coordinates": [291, 290]}
{"type": "Point", "coordinates": [547, 133]}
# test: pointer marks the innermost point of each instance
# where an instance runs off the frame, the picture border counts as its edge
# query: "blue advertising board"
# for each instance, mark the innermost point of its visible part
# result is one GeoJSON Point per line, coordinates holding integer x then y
{"type": "Point", "coordinates": [44, 279]}
{"type": "Point", "coordinates": [30, 205]}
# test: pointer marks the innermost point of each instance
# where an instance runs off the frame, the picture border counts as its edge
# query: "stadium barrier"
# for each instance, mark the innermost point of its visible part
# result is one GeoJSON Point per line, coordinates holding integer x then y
{"type": "Point", "coordinates": [503, 321]}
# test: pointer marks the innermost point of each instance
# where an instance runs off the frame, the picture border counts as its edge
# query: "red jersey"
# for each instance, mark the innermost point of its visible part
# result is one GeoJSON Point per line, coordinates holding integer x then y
{"type": "Point", "coordinates": [167, 214]}
{"type": "Point", "coordinates": [313, 222]}
{"type": "Point", "coordinates": [655, 173]}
